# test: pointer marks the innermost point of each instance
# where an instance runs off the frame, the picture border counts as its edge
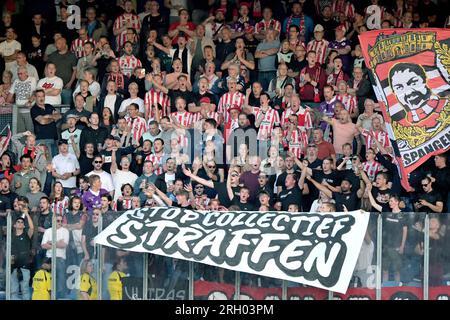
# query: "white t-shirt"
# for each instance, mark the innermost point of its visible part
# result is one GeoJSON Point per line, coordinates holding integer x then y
{"type": "Point", "coordinates": [105, 178]}
{"type": "Point", "coordinates": [120, 178]}
{"type": "Point", "coordinates": [127, 102]}
{"type": "Point", "coordinates": [66, 135]}
{"type": "Point", "coordinates": [63, 164]}
{"type": "Point", "coordinates": [51, 83]}
{"type": "Point", "coordinates": [23, 90]}
{"type": "Point", "coordinates": [7, 49]}
{"type": "Point", "coordinates": [61, 234]}
{"type": "Point", "coordinates": [110, 102]}
{"type": "Point", "coordinates": [94, 89]}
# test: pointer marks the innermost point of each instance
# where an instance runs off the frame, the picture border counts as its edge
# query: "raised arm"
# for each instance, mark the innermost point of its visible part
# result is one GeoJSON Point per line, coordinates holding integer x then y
{"type": "Point", "coordinates": [196, 178]}
{"type": "Point", "coordinates": [320, 187]}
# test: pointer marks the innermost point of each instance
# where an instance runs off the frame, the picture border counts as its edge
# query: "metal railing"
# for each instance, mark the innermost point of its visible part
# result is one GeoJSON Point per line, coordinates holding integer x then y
{"type": "Point", "coordinates": [420, 271]}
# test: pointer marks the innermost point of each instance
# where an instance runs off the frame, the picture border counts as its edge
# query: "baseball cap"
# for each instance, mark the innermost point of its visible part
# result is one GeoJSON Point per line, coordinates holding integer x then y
{"type": "Point", "coordinates": [249, 29]}
{"type": "Point", "coordinates": [318, 28]}
{"type": "Point", "coordinates": [72, 116]}
{"type": "Point", "coordinates": [62, 141]}
{"type": "Point", "coordinates": [205, 100]}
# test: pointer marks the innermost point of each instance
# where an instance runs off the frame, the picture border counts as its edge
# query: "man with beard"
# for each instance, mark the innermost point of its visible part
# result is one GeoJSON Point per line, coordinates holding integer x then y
{"type": "Point", "coordinates": [419, 106]}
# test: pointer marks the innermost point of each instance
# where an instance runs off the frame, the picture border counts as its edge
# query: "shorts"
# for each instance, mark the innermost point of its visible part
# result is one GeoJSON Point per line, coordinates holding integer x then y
{"type": "Point", "coordinates": [391, 259]}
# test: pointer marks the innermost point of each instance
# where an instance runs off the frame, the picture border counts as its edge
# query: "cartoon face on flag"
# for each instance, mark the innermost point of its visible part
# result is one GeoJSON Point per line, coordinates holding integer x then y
{"type": "Point", "coordinates": [411, 69]}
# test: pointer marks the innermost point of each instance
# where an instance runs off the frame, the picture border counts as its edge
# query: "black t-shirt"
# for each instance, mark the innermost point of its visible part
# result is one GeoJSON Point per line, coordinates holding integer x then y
{"type": "Point", "coordinates": [90, 231]}
{"type": "Point", "coordinates": [43, 131]}
{"type": "Point", "coordinates": [282, 179]}
{"type": "Point", "coordinates": [176, 204]}
{"type": "Point", "coordinates": [393, 224]}
{"type": "Point", "coordinates": [243, 206]}
{"type": "Point", "coordinates": [86, 165]}
{"type": "Point", "coordinates": [174, 94]}
{"type": "Point", "coordinates": [221, 188]}
{"type": "Point", "coordinates": [21, 249]}
{"type": "Point", "coordinates": [431, 197]}
{"type": "Point", "coordinates": [382, 198]}
{"type": "Point", "coordinates": [350, 200]}
{"type": "Point", "coordinates": [291, 196]}
{"type": "Point", "coordinates": [297, 66]}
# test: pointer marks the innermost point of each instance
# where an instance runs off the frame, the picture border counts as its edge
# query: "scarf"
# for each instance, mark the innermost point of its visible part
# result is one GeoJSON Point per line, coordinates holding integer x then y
{"type": "Point", "coordinates": [31, 152]}
{"type": "Point", "coordinates": [184, 58]}
{"type": "Point", "coordinates": [118, 79]}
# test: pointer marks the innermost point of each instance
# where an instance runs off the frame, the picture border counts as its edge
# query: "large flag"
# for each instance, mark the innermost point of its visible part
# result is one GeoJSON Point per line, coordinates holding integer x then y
{"type": "Point", "coordinates": [320, 250]}
{"type": "Point", "coordinates": [411, 70]}
{"type": "Point", "coordinates": [4, 140]}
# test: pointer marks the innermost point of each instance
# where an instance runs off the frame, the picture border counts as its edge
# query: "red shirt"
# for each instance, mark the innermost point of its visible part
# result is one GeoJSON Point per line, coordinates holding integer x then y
{"type": "Point", "coordinates": [191, 26]}
{"type": "Point", "coordinates": [326, 149]}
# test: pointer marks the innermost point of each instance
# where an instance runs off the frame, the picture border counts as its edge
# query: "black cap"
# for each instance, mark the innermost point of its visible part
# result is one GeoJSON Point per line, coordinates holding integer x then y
{"type": "Point", "coordinates": [20, 218]}
{"type": "Point", "coordinates": [47, 260]}
{"type": "Point", "coordinates": [62, 141]}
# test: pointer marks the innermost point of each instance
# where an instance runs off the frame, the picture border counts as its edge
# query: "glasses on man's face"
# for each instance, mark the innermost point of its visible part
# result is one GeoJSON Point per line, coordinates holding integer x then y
{"type": "Point", "coordinates": [59, 221]}
{"type": "Point", "coordinates": [425, 184]}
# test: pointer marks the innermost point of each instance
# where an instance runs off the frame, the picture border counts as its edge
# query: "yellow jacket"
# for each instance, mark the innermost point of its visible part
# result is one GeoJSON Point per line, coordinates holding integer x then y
{"type": "Point", "coordinates": [115, 285]}
{"type": "Point", "coordinates": [42, 285]}
{"type": "Point", "coordinates": [89, 285]}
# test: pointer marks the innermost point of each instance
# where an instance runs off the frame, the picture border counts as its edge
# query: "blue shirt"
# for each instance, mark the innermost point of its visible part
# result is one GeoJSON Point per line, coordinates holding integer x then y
{"type": "Point", "coordinates": [267, 63]}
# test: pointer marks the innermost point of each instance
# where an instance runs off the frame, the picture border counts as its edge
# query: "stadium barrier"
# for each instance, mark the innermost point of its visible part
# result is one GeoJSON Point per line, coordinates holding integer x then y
{"type": "Point", "coordinates": [421, 271]}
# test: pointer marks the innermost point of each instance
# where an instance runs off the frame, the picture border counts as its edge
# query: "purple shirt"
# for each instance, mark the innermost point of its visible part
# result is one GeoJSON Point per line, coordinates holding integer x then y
{"type": "Point", "coordinates": [92, 201]}
{"type": "Point", "coordinates": [250, 180]}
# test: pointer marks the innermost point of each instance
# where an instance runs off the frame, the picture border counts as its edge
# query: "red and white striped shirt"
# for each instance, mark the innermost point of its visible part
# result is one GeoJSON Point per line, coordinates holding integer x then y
{"type": "Point", "coordinates": [320, 47]}
{"type": "Point", "coordinates": [345, 7]}
{"type": "Point", "coordinates": [157, 161]}
{"type": "Point", "coordinates": [197, 116]}
{"type": "Point", "coordinates": [271, 118]}
{"type": "Point", "coordinates": [372, 168]}
{"type": "Point", "coordinates": [297, 141]}
{"type": "Point", "coordinates": [266, 25]}
{"type": "Point", "coordinates": [126, 204]}
{"type": "Point", "coordinates": [227, 101]}
{"type": "Point", "coordinates": [138, 127]}
{"type": "Point", "coordinates": [381, 136]}
{"type": "Point", "coordinates": [128, 64]}
{"type": "Point", "coordinates": [303, 115]}
{"type": "Point", "coordinates": [59, 206]}
{"type": "Point", "coordinates": [348, 100]}
{"type": "Point", "coordinates": [78, 45]}
{"type": "Point", "coordinates": [183, 118]}
{"type": "Point", "coordinates": [121, 22]}
{"type": "Point", "coordinates": [152, 99]}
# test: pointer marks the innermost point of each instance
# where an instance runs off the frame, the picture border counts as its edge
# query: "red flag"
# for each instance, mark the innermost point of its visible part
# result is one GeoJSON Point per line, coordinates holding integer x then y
{"type": "Point", "coordinates": [4, 141]}
{"type": "Point", "coordinates": [411, 71]}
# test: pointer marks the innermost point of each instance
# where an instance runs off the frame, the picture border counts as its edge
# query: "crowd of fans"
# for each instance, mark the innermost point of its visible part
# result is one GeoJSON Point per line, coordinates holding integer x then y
{"type": "Point", "coordinates": [210, 105]}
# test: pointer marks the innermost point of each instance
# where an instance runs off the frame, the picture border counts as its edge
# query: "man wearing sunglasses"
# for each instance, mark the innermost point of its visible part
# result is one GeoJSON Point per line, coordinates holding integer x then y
{"type": "Point", "coordinates": [20, 257]}
{"type": "Point", "coordinates": [220, 187]}
{"type": "Point", "coordinates": [429, 200]}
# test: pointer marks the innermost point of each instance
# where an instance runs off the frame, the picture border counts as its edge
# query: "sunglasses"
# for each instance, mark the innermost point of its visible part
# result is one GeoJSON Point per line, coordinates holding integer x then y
{"type": "Point", "coordinates": [211, 167]}
{"type": "Point", "coordinates": [98, 161]}
{"type": "Point", "coordinates": [199, 187]}
{"type": "Point", "coordinates": [425, 184]}
{"type": "Point", "coordinates": [59, 221]}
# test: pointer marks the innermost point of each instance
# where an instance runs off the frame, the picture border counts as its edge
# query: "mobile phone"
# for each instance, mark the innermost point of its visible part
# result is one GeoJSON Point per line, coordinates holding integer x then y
{"type": "Point", "coordinates": [143, 71]}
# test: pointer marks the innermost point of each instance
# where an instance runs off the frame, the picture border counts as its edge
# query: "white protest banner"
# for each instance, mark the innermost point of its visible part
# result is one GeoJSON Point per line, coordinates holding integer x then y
{"type": "Point", "coordinates": [319, 250]}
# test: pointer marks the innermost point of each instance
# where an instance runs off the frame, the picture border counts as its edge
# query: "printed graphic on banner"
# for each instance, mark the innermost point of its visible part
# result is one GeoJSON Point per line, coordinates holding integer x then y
{"type": "Point", "coordinates": [315, 249]}
{"type": "Point", "coordinates": [411, 68]}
